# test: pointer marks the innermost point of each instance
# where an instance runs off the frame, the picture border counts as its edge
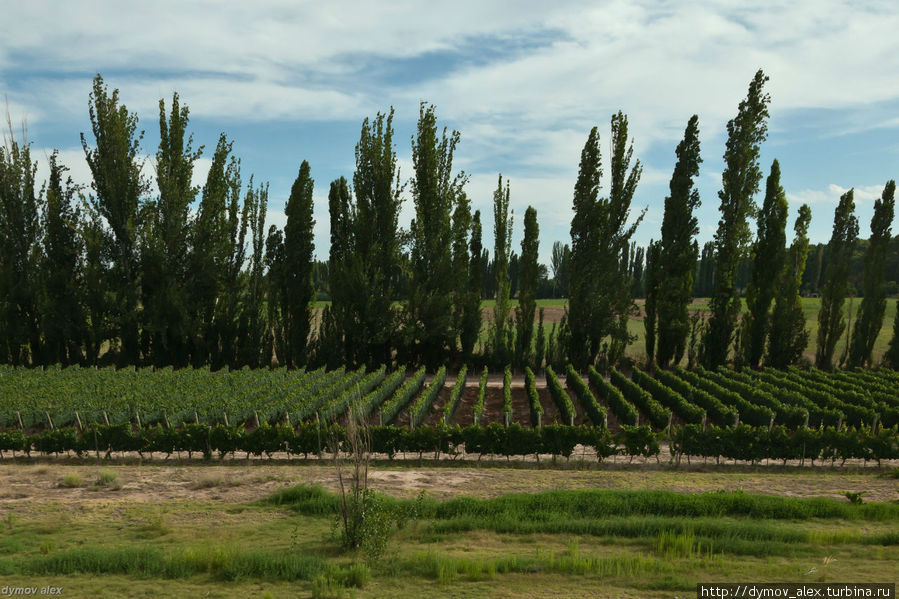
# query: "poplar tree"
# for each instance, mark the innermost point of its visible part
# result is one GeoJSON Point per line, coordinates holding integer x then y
{"type": "Point", "coordinates": [705, 272]}
{"type": "Point", "coordinates": [252, 324]}
{"type": "Point", "coordinates": [740, 182]}
{"type": "Point", "coordinates": [435, 192]}
{"type": "Point", "coordinates": [296, 269]}
{"type": "Point", "coordinates": [502, 241]}
{"type": "Point", "coordinates": [677, 252]}
{"type": "Point", "coordinates": [600, 301]}
{"type": "Point", "coordinates": [788, 336]}
{"type": "Point", "coordinates": [471, 318]}
{"type": "Point", "coordinates": [216, 258]}
{"type": "Point", "coordinates": [870, 313]}
{"type": "Point", "coordinates": [831, 321]}
{"type": "Point", "coordinates": [166, 324]}
{"type": "Point", "coordinates": [20, 333]}
{"type": "Point", "coordinates": [652, 324]}
{"type": "Point", "coordinates": [119, 187]}
{"type": "Point", "coordinates": [527, 290]}
{"type": "Point", "coordinates": [336, 333]}
{"type": "Point", "coordinates": [369, 267]}
{"type": "Point", "coordinates": [769, 254]}
{"type": "Point", "coordinates": [62, 315]}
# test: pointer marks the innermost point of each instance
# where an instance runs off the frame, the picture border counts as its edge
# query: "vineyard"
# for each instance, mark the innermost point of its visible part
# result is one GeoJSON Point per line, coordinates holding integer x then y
{"type": "Point", "coordinates": [751, 415]}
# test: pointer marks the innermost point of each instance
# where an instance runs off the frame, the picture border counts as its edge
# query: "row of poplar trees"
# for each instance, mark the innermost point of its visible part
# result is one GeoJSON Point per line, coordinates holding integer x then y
{"type": "Point", "coordinates": [190, 276]}
{"type": "Point", "coordinates": [111, 274]}
{"type": "Point", "coordinates": [772, 330]}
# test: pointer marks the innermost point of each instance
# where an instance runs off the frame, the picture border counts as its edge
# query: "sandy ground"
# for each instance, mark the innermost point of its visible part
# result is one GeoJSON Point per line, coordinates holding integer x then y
{"type": "Point", "coordinates": [34, 482]}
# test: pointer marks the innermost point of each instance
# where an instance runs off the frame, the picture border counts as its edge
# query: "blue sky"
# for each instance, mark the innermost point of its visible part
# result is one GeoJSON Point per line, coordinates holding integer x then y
{"type": "Point", "coordinates": [522, 81]}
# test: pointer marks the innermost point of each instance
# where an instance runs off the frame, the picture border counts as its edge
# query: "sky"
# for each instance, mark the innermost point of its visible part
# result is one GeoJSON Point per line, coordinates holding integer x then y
{"type": "Point", "coordinates": [522, 81]}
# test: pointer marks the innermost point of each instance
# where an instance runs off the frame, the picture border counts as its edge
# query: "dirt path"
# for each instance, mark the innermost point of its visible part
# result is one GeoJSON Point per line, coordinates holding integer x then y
{"type": "Point", "coordinates": [25, 485]}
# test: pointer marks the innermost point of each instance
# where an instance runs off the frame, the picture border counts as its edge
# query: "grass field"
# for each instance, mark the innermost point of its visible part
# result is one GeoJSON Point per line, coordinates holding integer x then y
{"type": "Point", "coordinates": [158, 530]}
{"type": "Point", "coordinates": [811, 306]}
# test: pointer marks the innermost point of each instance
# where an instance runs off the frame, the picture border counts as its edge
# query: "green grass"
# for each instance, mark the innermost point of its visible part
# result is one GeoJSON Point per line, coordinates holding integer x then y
{"type": "Point", "coordinates": [558, 543]}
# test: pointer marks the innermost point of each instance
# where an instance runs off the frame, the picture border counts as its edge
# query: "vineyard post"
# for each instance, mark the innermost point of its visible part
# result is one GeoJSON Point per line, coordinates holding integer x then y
{"type": "Point", "coordinates": [105, 418]}
{"type": "Point", "coordinates": [19, 417]}
{"type": "Point", "coordinates": [771, 423]}
{"type": "Point", "coordinates": [78, 422]}
{"type": "Point", "coordinates": [165, 420]}
{"type": "Point", "coordinates": [49, 421]}
{"type": "Point", "coordinates": [137, 418]}
{"type": "Point", "coordinates": [224, 418]}
{"type": "Point", "coordinates": [255, 419]}
{"type": "Point", "coordinates": [875, 423]}
{"type": "Point", "coordinates": [571, 419]}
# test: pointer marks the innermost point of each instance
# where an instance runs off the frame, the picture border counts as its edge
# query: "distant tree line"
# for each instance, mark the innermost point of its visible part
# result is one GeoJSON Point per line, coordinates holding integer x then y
{"type": "Point", "coordinates": [189, 276]}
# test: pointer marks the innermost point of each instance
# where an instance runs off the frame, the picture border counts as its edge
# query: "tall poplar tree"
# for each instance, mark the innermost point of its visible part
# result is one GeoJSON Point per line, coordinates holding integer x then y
{"type": "Point", "coordinates": [216, 257]}
{"type": "Point", "coordinates": [769, 254]}
{"type": "Point", "coordinates": [471, 318]}
{"type": "Point", "coordinates": [335, 343]}
{"type": "Point", "coordinates": [831, 321]}
{"type": "Point", "coordinates": [527, 290]}
{"type": "Point", "coordinates": [166, 325]}
{"type": "Point", "coordinates": [370, 269]}
{"type": "Point", "coordinates": [435, 192]}
{"type": "Point", "coordinates": [677, 252]}
{"type": "Point", "coordinates": [740, 182]}
{"type": "Point", "coordinates": [20, 334]}
{"type": "Point", "coordinates": [296, 269]}
{"type": "Point", "coordinates": [502, 241]}
{"type": "Point", "coordinates": [651, 321]}
{"type": "Point", "coordinates": [870, 313]}
{"type": "Point", "coordinates": [600, 301]}
{"type": "Point", "coordinates": [62, 315]}
{"type": "Point", "coordinates": [119, 187]}
{"type": "Point", "coordinates": [788, 336]}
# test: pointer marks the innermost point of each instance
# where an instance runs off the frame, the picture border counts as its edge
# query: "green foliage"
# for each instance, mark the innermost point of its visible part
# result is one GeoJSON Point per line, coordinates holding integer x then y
{"type": "Point", "coordinates": [296, 269]}
{"type": "Point", "coordinates": [449, 410]}
{"type": "Point", "coordinates": [870, 313]}
{"type": "Point", "coordinates": [788, 336]}
{"type": "Point", "coordinates": [482, 395]}
{"type": "Point", "coordinates": [678, 250]}
{"type": "Point", "coordinates": [585, 397]}
{"type": "Point", "coordinates": [560, 397]}
{"type": "Point", "coordinates": [768, 255]}
{"type": "Point", "coordinates": [507, 394]}
{"type": "Point", "coordinates": [436, 193]}
{"type": "Point", "coordinates": [600, 299]}
{"type": "Point", "coordinates": [739, 183]}
{"type": "Point", "coordinates": [401, 398]}
{"type": "Point", "coordinates": [471, 317]}
{"type": "Point", "coordinates": [831, 321]}
{"type": "Point", "coordinates": [668, 397]}
{"type": "Point", "coordinates": [501, 347]}
{"type": "Point", "coordinates": [425, 401]}
{"type": "Point", "coordinates": [119, 188]}
{"type": "Point", "coordinates": [530, 385]}
{"type": "Point", "coordinates": [529, 276]}
{"type": "Point", "coordinates": [623, 410]}
{"type": "Point", "coordinates": [656, 413]}
{"type": "Point", "coordinates": [717, 411]}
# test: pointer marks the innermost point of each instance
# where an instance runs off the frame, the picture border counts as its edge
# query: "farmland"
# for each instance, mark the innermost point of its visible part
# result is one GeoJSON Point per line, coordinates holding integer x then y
{"type": "Point", "coordinates": [634, 484]}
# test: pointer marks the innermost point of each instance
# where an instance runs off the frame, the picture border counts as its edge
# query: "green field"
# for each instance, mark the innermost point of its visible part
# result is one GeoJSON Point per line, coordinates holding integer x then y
{"type": "Point", "coordinates": [811, 307]}
{"type": "Point", "coordinates": [230, 531]}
